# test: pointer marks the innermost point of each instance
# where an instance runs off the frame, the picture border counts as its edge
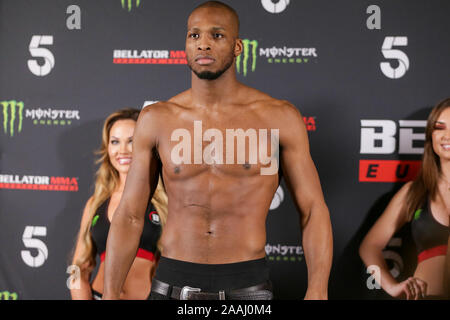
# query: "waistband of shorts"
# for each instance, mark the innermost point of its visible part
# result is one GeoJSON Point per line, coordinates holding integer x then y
{"type": "Point", "coordinates": [222, 269]}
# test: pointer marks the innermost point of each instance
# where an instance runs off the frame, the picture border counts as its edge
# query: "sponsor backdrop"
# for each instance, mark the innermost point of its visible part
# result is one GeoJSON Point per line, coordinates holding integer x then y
{"type": "Point", "coordinates": [364, 74]}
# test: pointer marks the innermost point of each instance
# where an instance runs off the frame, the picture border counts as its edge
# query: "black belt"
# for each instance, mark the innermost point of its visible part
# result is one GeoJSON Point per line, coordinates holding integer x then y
{"type": "Point", "coordinates": [261, 291]}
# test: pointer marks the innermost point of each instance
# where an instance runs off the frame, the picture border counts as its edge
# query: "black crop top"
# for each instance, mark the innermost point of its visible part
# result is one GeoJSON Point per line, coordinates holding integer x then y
{"type": "Point", "coordinates": [150, 234]}
{"type": "Point", "coordinates": [430, 236]}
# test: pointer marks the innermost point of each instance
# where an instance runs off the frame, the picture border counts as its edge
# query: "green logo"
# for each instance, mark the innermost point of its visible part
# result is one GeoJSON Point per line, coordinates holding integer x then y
{"type": "Point", "coordinates": [247, 44]}
{"type": "Point", "coordinates": [129, 4]}
{"type": "Point", "coordinates": [6, 295]}
{"type": "Point", "coordinates": [12, 111]}
{"type": "Point", "coordinates": [94, 221]}
{"type": "Point", "coordinates": [417, 214]}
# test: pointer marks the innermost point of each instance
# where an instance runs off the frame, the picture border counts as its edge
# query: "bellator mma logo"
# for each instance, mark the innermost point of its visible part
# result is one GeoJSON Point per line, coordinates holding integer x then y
{"type": "Point", "coordinates": [380, 137]}
{"type": "Point", "coordinates": [44, 183]}
{"type": "Point", "coordinates": [149, 57]}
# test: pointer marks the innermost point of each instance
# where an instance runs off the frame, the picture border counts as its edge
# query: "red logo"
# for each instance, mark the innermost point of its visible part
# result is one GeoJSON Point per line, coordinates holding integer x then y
{"type": "Point", "coordinates": [388, 170]}
{"type": "Point", "coordinates": [42, 183]}
{"type": "Point", "coordinates": [149, 57]}
{"type": "Point", "coordinates": [310, 123]}
{"type": "Point", "coordinates": [385, 137]}
{"type": "Point", "coordinates": [154, 217]}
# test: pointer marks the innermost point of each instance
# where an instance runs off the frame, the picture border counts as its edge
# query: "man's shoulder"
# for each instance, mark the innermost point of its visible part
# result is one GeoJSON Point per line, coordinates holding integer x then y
{"type": "Point", "coordinates": [168, 107]}
{"type": "Point", "coordinates": [279, 105]}
{"type": "Point", "coordinates": [262, 99]}
{"type": "Point", "coordinates": [160, 109]}
{"type": "Point", "coordinates": [265, 103]}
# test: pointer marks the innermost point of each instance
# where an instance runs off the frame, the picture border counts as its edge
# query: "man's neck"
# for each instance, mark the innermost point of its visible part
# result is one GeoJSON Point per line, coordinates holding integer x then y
{"type": "Point", "coordinates": [214, 93]}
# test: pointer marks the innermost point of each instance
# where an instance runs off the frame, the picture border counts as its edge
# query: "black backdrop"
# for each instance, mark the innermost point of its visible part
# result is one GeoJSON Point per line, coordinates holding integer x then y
{"type": "Point", "coordinates": [66, 65]}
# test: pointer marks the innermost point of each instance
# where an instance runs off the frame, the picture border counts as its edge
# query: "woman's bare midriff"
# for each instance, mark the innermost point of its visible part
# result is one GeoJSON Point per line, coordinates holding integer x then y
{"type": "Point", "coordinates": [432, 272]}
{"type": "Point", "coordinates": [137, 284]}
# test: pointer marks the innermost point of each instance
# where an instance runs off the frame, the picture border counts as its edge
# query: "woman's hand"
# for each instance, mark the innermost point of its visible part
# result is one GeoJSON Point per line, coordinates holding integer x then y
{"type": "Point", "coordinates": [411, 289]}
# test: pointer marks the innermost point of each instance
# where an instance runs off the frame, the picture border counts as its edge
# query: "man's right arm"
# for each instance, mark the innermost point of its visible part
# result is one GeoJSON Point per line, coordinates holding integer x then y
{"type": "Point", "coordinates": [128, 221]}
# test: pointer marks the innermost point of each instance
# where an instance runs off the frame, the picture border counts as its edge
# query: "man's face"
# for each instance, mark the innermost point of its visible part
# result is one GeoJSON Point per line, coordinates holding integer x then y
{"type": "Point", "coordinates": [211, 42]}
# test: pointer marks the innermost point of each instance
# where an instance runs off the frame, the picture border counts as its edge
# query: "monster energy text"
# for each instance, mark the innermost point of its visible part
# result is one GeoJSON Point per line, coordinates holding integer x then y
{"type": "Point", "coordinates": [273, 55]}
{"type": "Point", "coordinates": [52, 114]}
{"type": "Point", "coordinates": [284, 253]}
{"type": "Point", "coordinates": [13, 113]}
{"type": "Point", "coordinates": [288, 53]}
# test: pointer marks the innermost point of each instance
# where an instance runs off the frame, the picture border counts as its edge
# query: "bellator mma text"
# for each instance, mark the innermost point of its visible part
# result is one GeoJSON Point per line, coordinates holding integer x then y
{"type": "Point", "coordinates": [242, 310]}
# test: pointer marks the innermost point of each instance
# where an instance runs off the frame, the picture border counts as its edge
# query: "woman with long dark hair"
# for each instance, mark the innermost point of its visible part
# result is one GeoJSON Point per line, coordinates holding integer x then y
{"type": "Point", "coordinates": [115, 158]}
{"type": "Point", "coordinates": [425, 204]}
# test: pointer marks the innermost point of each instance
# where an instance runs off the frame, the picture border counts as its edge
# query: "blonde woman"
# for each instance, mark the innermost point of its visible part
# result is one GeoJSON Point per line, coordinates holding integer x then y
{"type": "Point", "coordinates": [425, 204]}
{"type": "Point", "coordinates": [115, 158]}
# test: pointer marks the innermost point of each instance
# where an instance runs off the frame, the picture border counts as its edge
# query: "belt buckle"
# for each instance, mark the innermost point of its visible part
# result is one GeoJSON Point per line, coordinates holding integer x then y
{"type": "Point", "coordinates": [184, 294]}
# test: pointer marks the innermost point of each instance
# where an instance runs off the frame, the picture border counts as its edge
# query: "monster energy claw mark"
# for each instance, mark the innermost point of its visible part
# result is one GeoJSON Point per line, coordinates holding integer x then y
{"type": "Point", "coordinates": [247, 43]}
{"type": "Point", "coordinates": [6, 295]}
{"type": "Point", "coordinates": [10, 109]}
{"type": "Point", "coordinates": [130, 3]}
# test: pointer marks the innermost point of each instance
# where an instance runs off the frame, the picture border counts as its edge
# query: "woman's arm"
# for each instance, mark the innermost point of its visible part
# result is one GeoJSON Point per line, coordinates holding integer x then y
{"type": "Point", "coordinates": [371, 248]}
{"type": "Point", "coordinates": [84, 291]}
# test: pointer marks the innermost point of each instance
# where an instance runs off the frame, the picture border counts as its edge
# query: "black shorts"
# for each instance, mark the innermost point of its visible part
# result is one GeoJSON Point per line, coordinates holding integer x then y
{"type": "Point", "coordinates": [213, 277]}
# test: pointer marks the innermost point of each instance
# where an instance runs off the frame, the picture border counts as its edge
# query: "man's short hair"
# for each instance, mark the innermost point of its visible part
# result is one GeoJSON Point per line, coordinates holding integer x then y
{"type": "Point", "coordinates": [219, 4]}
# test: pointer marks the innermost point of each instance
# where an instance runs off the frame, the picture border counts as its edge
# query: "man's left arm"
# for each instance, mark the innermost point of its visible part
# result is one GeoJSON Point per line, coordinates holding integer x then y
{"type": "Point", "coordinates": [303, 181]}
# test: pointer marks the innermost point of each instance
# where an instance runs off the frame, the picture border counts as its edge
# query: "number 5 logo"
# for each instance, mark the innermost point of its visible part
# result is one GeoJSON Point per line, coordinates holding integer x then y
{"type": "Point", "coordinates": [47, 55]}
{"type": "Point", "coordinates": [400, 56]}
{"type": "Point", "coordinates": [275, 6]}
{"type": "Point", "coordinates": [395, 258]}
{"type": "Point", "coordinates": [31, 243]}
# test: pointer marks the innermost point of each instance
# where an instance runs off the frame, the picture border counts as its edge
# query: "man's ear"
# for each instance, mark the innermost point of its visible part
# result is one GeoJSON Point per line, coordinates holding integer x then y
{"type": "Point", "coordinates": [238, 47]}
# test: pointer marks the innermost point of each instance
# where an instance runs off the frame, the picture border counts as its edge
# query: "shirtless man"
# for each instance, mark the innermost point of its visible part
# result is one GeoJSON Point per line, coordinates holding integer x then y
{"type": "Point", "coordinates": [213, 243]}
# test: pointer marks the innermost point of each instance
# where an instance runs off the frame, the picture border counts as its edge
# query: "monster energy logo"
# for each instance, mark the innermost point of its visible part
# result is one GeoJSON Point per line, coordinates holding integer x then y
{"type": "Point", "coordinates": [49, 116]}
{"type": "Point", "coordinates": [247, 43]}
{"type": "Point", "coordinates": [284, 253]}
{"type": "Point", "coordinates": [5, 295]}
{"type": "Point", "coordinates": [129, 4]}
{"type": "Point", "coordinates": [94, 221]}
{"type": "Point", "coordinates": [417, 214]}
{"type": "Point", "coordinates": [12, 110]}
